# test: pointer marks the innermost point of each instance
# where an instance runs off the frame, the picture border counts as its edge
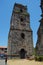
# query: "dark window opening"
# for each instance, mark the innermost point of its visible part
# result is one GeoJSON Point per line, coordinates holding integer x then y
{"type": "Point", "coordinates": [21, 10]}
{"type": "Point", "coordinates": [21, 19]}
{"type": "Point", "coordinates": [23, 35]}
{"type": "Point", "coordinates": [2, 49]}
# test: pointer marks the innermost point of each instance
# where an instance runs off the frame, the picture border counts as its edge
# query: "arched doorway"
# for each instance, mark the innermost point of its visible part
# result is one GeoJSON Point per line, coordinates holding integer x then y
{"type": "Point", "coordinates": [22, 53]}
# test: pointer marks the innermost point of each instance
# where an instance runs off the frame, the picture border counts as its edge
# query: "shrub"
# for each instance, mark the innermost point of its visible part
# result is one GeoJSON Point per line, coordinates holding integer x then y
{"type": "Point", "coordinates": [39, 58]}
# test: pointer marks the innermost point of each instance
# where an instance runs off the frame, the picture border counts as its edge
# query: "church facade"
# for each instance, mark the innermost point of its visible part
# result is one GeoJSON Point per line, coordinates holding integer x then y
{"type": "Point", "coordinates": [39, 44]}
{"type": "Point", "coordinates": [20, 38]}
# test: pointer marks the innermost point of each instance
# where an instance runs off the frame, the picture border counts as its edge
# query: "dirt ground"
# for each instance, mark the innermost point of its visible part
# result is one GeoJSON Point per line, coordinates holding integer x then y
{"type": "Point", "coordinates": [23, 62]}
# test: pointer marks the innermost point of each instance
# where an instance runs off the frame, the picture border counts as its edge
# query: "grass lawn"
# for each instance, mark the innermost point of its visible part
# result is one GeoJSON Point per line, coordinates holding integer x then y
{"type": "Point", "coordinates": [23, 62]}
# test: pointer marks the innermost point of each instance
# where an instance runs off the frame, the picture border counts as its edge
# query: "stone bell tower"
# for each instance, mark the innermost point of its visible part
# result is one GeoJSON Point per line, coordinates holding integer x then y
{"type": "Point", "coordinates": [39, 45]}
{"type": "Point", "coordinates": [20, 41]}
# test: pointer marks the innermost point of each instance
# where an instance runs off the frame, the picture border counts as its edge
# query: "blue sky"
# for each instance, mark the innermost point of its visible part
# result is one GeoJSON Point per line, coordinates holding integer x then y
{"type": "Point", "coordinates": [6, 7]}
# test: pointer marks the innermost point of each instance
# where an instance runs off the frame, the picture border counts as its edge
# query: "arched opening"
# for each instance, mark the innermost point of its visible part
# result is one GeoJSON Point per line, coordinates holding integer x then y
{"type": "Point", "coordinates": [22, 35]}
{"type": "Point", "coordinates": [22, 53]}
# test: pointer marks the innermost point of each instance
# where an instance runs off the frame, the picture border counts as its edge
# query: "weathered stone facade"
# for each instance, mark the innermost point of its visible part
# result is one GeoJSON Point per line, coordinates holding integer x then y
{"type": "Point", "coordinates": [39, 44]}
{"type": "Point", "coordinates": [20, 34]}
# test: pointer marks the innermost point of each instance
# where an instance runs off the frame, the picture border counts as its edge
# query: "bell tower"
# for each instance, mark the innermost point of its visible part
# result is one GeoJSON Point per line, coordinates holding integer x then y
{"type": "Point", "coordinates": [20, 41]}
{"type": "Point", "coordinates": [39, 45]}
